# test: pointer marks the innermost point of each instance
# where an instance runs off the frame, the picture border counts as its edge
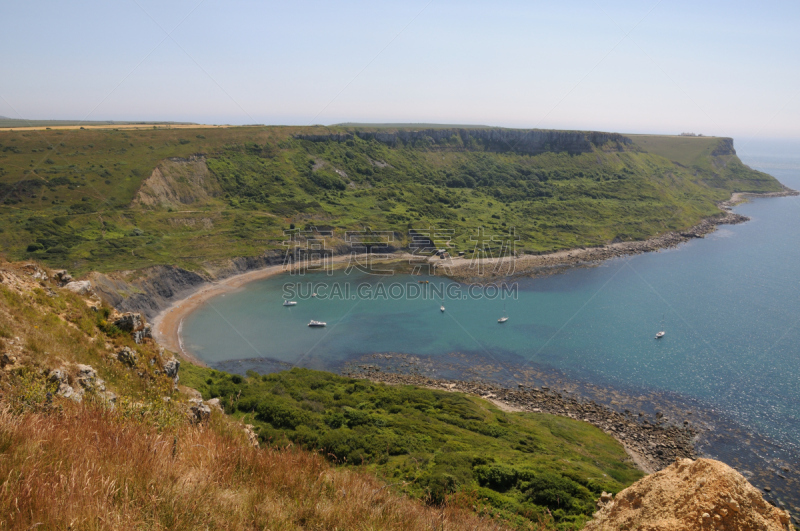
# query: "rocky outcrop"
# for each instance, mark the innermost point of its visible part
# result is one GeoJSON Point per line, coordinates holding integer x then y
{"type": "Point", "coordinates": [145, 333]}
{"type": "Point", "coordinates": [62, 277]}
{"type": "Point", "coordinates": [690, 496]}
{"type": "Point", "coordinates": [531, 141]}
{"type": "Point", "coordinates": [81, 287]}
{"type": "Point", "coordinates": [127, 356]}
{"type": "Point", "coordinates": [61, 379]}
{"type": "Point", "coordinates": [178, 181]}
{"type": "Point", "coordinates": [216, 404]}
{"type": "Point", "coordinates": [171, 368]}
{"type": "Point", "coordinates": [85, 380]}
{"type": "Point", "coordinates": [130, 322]}
{"type": "Point", "coordinates": [198, 411]}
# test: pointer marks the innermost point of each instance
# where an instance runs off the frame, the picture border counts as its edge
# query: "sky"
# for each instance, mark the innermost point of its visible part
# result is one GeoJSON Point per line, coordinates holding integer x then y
{"type": "Point", "coordinates": [649, 66]}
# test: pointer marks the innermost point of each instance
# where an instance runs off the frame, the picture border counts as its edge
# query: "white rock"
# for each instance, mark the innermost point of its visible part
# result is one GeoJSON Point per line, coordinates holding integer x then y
{"type": "Point", "coordinates": [81, 287]}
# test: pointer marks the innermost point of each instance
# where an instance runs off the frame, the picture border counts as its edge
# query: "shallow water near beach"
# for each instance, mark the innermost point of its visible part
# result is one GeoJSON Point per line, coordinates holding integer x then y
{"type": "Point", "coordinates": [729, 303]}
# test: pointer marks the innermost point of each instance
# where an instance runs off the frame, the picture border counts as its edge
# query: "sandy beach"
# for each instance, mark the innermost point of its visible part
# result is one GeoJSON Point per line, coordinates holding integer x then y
{"type": "Point", "coordinates": [167, 324]}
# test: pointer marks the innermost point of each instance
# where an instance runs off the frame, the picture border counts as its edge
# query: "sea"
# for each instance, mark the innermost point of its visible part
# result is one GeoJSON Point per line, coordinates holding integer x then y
{"type": "Point", "coordinates": [729, 363]}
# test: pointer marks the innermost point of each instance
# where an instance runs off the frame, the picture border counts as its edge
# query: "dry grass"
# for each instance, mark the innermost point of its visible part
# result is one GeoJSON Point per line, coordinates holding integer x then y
{"type": "Point", "coordinates": [87, 468]}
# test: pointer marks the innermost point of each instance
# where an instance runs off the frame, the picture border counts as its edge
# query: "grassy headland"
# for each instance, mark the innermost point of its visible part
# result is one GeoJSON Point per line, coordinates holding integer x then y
{"type": "Point", "coordinates": [112, 199]}
{"type": "Point", "coordinates": [525, 467]}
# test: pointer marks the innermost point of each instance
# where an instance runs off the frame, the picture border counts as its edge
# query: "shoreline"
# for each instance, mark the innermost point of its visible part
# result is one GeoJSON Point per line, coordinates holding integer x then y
{"type": "Point", "coordinates": [168, 323]}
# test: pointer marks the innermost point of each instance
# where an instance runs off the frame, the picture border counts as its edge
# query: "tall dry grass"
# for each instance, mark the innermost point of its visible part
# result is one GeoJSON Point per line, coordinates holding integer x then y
{"type": "Point", "coordinates": [89, 468]}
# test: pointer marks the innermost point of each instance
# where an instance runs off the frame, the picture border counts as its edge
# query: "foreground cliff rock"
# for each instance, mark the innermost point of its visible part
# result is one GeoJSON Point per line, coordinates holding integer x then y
{"type": "Point", "coordinates": [690, 495]}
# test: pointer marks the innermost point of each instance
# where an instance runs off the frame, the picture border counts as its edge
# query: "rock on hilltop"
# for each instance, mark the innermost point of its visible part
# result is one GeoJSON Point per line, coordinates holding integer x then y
{"type": "Point", "coordinates": [690, 496]}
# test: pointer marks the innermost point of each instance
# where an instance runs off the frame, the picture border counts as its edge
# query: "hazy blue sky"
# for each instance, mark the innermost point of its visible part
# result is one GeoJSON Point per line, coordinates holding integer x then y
{"type": "Point", "coordinates": [723, 68]}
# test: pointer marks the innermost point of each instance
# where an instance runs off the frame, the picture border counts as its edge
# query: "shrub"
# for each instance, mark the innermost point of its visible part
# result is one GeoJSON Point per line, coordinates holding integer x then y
{"type": "Point", "coordinates": [497, 477]}
{"type": "Point", "coordinates": [327, 180]}
{"type": "Point", "coordinates": [558, 492]}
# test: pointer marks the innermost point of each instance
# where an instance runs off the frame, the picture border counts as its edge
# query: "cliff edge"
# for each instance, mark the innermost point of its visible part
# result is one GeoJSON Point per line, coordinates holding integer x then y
{"type": "Point", "coordinates": [689, 496]}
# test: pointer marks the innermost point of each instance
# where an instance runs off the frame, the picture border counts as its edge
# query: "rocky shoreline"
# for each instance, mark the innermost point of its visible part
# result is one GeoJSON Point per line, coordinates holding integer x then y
{"type": "Point", "coordinates": [652, 445]}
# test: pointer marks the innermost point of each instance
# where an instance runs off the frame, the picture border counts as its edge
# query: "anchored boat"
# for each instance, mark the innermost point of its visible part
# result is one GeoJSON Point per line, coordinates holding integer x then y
{"type": "Point", "coordinates": [505, 316]}
{"type": "Point", "coordinates": [317, 324]}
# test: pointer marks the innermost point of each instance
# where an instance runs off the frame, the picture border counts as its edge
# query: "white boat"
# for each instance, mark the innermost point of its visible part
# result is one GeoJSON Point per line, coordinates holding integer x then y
{"type": "Point", "coordinates": [441, 308]}
{"type": "Point", "coordinates": [317, 324]}
{"type": "Point", "coordinates": [662, 333]}
{"type": "Point", "coordinates": [289, 303]}
{"type": "Point", "coordinates": [505, 317]}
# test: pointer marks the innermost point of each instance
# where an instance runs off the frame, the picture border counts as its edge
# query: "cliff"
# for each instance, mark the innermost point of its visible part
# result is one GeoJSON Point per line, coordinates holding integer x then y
{"type": "Point", "coordinates": [528, 141]}
{"type": "Point", "coordinates": [152, 289]}
{"type": "Point", "coordinates": [178, 181]}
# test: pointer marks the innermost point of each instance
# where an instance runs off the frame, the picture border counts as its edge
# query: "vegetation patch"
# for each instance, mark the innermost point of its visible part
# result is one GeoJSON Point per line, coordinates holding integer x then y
{"type": "Point", "coordinates": [552, 200]}
{"type": "Point", "coordinates": [432, 444]}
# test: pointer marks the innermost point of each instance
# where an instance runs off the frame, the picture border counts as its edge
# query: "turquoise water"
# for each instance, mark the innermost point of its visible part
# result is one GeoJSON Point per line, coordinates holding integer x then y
{"type": "Point", "coordinates": [730, 304]}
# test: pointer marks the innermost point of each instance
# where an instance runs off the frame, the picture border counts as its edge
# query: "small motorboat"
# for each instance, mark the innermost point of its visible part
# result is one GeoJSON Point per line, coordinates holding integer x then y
{"type": "Point", "coordinates": [660, 334]}
{"type": "Point", "coordinates": [441, 308]}
{"type": "Point", "coordinates": [317, 324]}
{"type": "Point", "coordinates": [290, 303]}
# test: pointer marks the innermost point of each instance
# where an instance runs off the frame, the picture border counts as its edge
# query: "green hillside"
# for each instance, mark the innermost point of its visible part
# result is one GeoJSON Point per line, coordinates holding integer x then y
{"type": "Point", "coordinates": [90, 199]}
{"type": "Point", "coordinates": [524, 466]}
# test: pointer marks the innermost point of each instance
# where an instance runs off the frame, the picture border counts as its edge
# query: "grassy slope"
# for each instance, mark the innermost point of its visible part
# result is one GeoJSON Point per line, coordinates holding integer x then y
{"type": "Point", "coordinates": [68, 193]}
{"type": "Point", "coordinates": [142, 465]}
{"type": "Point", "coordinates": [433, 443]}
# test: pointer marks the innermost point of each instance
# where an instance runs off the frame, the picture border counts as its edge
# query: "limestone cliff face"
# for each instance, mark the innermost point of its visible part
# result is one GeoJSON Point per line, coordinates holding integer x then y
{"type": "Point", "coordinates": [690, 496]}
{"type": "Point", "coordinates": [178, 181]}
{"type": "Point", "coordinates": [530, 141]}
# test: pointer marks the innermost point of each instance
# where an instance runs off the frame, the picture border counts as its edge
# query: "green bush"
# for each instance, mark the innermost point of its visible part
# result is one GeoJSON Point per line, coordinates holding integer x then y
{"type": "Point", "coordinates": [497, 477]}
{"type": "Point", "coordinates": [558, 492]}
{"type": "Point", "coordinates": [327, 180]}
